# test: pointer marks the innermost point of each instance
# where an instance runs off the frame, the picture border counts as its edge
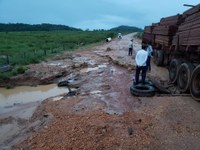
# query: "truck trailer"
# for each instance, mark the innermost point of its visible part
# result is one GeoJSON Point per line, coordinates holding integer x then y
{"type": "Point", "coordinates": [176, 44]}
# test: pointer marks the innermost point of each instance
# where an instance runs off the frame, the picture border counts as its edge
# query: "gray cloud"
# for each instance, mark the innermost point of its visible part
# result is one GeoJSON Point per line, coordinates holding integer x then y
{"type": "Point", "coordinates": [92, 14]}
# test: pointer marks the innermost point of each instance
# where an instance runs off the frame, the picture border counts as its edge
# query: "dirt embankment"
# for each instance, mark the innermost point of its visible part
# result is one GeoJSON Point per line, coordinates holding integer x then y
{"type": "Point", "coordinates": [103, 114]}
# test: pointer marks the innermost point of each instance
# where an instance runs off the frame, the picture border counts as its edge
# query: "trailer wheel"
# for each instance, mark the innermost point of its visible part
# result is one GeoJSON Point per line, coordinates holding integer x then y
{"type": "Point", "coordinates": [154, 56]}
{"type": "Point", "coordinates": [195, 83]}
{"type": "Point", "coordinates": [159, 57]}
{"type": "Point", "coordinates": [173, 70]}
{"type": "Point", "coordinates": [142, 90]}
{"type": "Point", "coordinates": [184, 76]}
{"type": "Point", "coordinates": [165, 59]}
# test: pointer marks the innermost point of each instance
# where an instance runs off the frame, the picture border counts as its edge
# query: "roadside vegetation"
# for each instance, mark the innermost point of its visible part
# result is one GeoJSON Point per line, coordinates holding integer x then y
{"type": "Point", "coordinates": [22, 48]}
{"type": "Point", "coordinates": [19, 48]}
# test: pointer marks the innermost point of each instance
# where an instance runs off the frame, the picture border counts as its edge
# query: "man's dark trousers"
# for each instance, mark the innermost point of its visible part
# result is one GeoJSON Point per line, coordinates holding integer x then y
{"type": "Point", "coordinates": [137, 74]}
{"type": "Point", "coordinates": [149, 63]}
{"type": "Point", "coordinates": [130, 51]}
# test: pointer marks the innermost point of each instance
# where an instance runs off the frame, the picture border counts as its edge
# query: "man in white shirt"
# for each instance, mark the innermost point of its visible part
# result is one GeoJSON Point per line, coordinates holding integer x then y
{"type": "Point", "coordinates": [141, 58]}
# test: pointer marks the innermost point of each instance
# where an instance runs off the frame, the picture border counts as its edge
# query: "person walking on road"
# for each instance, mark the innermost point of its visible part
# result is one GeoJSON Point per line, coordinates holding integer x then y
{"type": "Point", "coordinates": [149, 51]}
{"type": "Point", "coordinates": [119, 36]}
{"type": "Point", "coordinates": [130, 48]}
{"type": "Point", "coordinates": [141, 58]}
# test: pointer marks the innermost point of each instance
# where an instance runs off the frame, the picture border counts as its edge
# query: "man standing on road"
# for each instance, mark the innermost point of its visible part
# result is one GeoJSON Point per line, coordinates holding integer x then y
{"type": "Point", "coordinates": [130, 48]}
{"type": "Point", "coordinates": [149, 51]}
{"type": "Point", "coordinates": [119, 36]}
{"type": "Point", "coordinates": [141, 58]}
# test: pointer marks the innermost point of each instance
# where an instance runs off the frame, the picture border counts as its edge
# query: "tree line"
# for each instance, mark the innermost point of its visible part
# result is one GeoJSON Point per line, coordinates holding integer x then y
{"type": "Point", "coordinates": [12, 27]}
{"type": "Point", "coordinates": [126, 29]}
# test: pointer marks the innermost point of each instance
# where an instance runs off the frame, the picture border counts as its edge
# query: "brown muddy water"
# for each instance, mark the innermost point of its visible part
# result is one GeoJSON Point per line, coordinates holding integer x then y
{"type": "Point", "coordinates": [18, 105]}
{"type": "Point", "coordinates": [25, 94]}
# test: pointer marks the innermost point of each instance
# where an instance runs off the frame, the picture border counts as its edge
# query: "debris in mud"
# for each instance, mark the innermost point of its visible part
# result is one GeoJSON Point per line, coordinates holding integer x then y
{"type": "Point", "coordinates": [105, 87]}
{"type": "Point", "coordinates": [80, 65]}
{"type": "Point", "coordinates": [108, 49]}
{"type": "Point", "coordinates": [71, 93]}
{"type": "Point", "coordinates": [160, 87]}
{"type": "Point", "coordinates": [57, 98]}
{"type": "Point", "coordinates": [108, 39]}
{"type": "Point", "coordinates": [130, 131]}
{"type": "Point", "coordinates": [63, 83]}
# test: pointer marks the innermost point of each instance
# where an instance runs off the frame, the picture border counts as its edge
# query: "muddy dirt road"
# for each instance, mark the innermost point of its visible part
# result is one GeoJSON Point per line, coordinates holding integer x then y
{"type": "Point", "coordinates": [102, 114]}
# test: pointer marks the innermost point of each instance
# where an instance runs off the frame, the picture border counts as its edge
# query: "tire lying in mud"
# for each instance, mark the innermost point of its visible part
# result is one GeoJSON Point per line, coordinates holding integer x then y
{"type": "Point", "coordinates": [173, 70]}
{"type": "Point", "coordinates": [148, 82]}
{"type": "Point", "coordinates": [142, 90]}
{"type": "Point", "coordinates": [63, 83]}
{"type": "Point", "coordinates": [195, 83]}
{"type": "Point", "coordinates": [184, 76]}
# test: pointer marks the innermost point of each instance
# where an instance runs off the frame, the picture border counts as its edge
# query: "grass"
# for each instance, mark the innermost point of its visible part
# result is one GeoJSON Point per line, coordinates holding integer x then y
{"type": "Point", "coordinates": [139, 35]}
{"type": "Point", "coordinates": [31, 47]}
{"type": "Point", "coordinates": [23, 48]}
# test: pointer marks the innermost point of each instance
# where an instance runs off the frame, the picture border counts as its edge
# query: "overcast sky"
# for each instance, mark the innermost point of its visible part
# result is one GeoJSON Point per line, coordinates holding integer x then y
{"type": "Point", "coordinates": [90, 14]}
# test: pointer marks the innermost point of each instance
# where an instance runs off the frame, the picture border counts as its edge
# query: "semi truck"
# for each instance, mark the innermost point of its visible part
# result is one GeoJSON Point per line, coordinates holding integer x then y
{"type": "Point", "coordinates": [176, 44]}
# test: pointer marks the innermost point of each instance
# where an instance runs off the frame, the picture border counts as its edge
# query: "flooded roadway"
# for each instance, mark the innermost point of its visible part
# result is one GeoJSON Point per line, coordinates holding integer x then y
{"type": "Point", "coordinates": [23, 95]}
{"type": "Point", "coordinates": [105, 109]}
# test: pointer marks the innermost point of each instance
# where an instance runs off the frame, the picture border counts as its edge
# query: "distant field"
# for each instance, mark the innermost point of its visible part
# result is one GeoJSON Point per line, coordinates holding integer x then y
{"type": "Point", "coordinates": [23, 48]}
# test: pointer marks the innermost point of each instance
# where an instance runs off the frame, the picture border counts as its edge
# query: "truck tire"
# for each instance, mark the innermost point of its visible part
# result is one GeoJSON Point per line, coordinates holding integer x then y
{"type": "Point", "coordinates": [173, 70]}
{"type": "Point", "coordinates": [142, 90]}
{"type": "Point", "coordinates": [147, 82]}
{"type": "Point", "coordinates": [184, 76]}
{"type": "Point", "coordinates": [154, 56]}
{"type": "Point", "coordinates": [159, 57]}
{"type": "Point", "coordinates": [165, 59]}
{"type": "Point", "coordinates": [195, 83]}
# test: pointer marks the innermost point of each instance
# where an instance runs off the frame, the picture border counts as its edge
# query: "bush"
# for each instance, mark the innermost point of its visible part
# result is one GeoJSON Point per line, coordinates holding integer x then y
{"type": "Point", "coordinates": [20, 70]}
{"type": "Point", "coordinates": [4, 76]}
{"type": "Point", "coordinates": [112, 34]}
{"type": "Point", "coordinates": [9, 86]}
{"type": "Point", "coordinates": [24, 48]}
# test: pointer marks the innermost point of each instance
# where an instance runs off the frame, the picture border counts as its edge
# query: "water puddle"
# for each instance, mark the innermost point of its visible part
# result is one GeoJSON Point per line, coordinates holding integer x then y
{"type": "Point", "coordinates": [26, 94]}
